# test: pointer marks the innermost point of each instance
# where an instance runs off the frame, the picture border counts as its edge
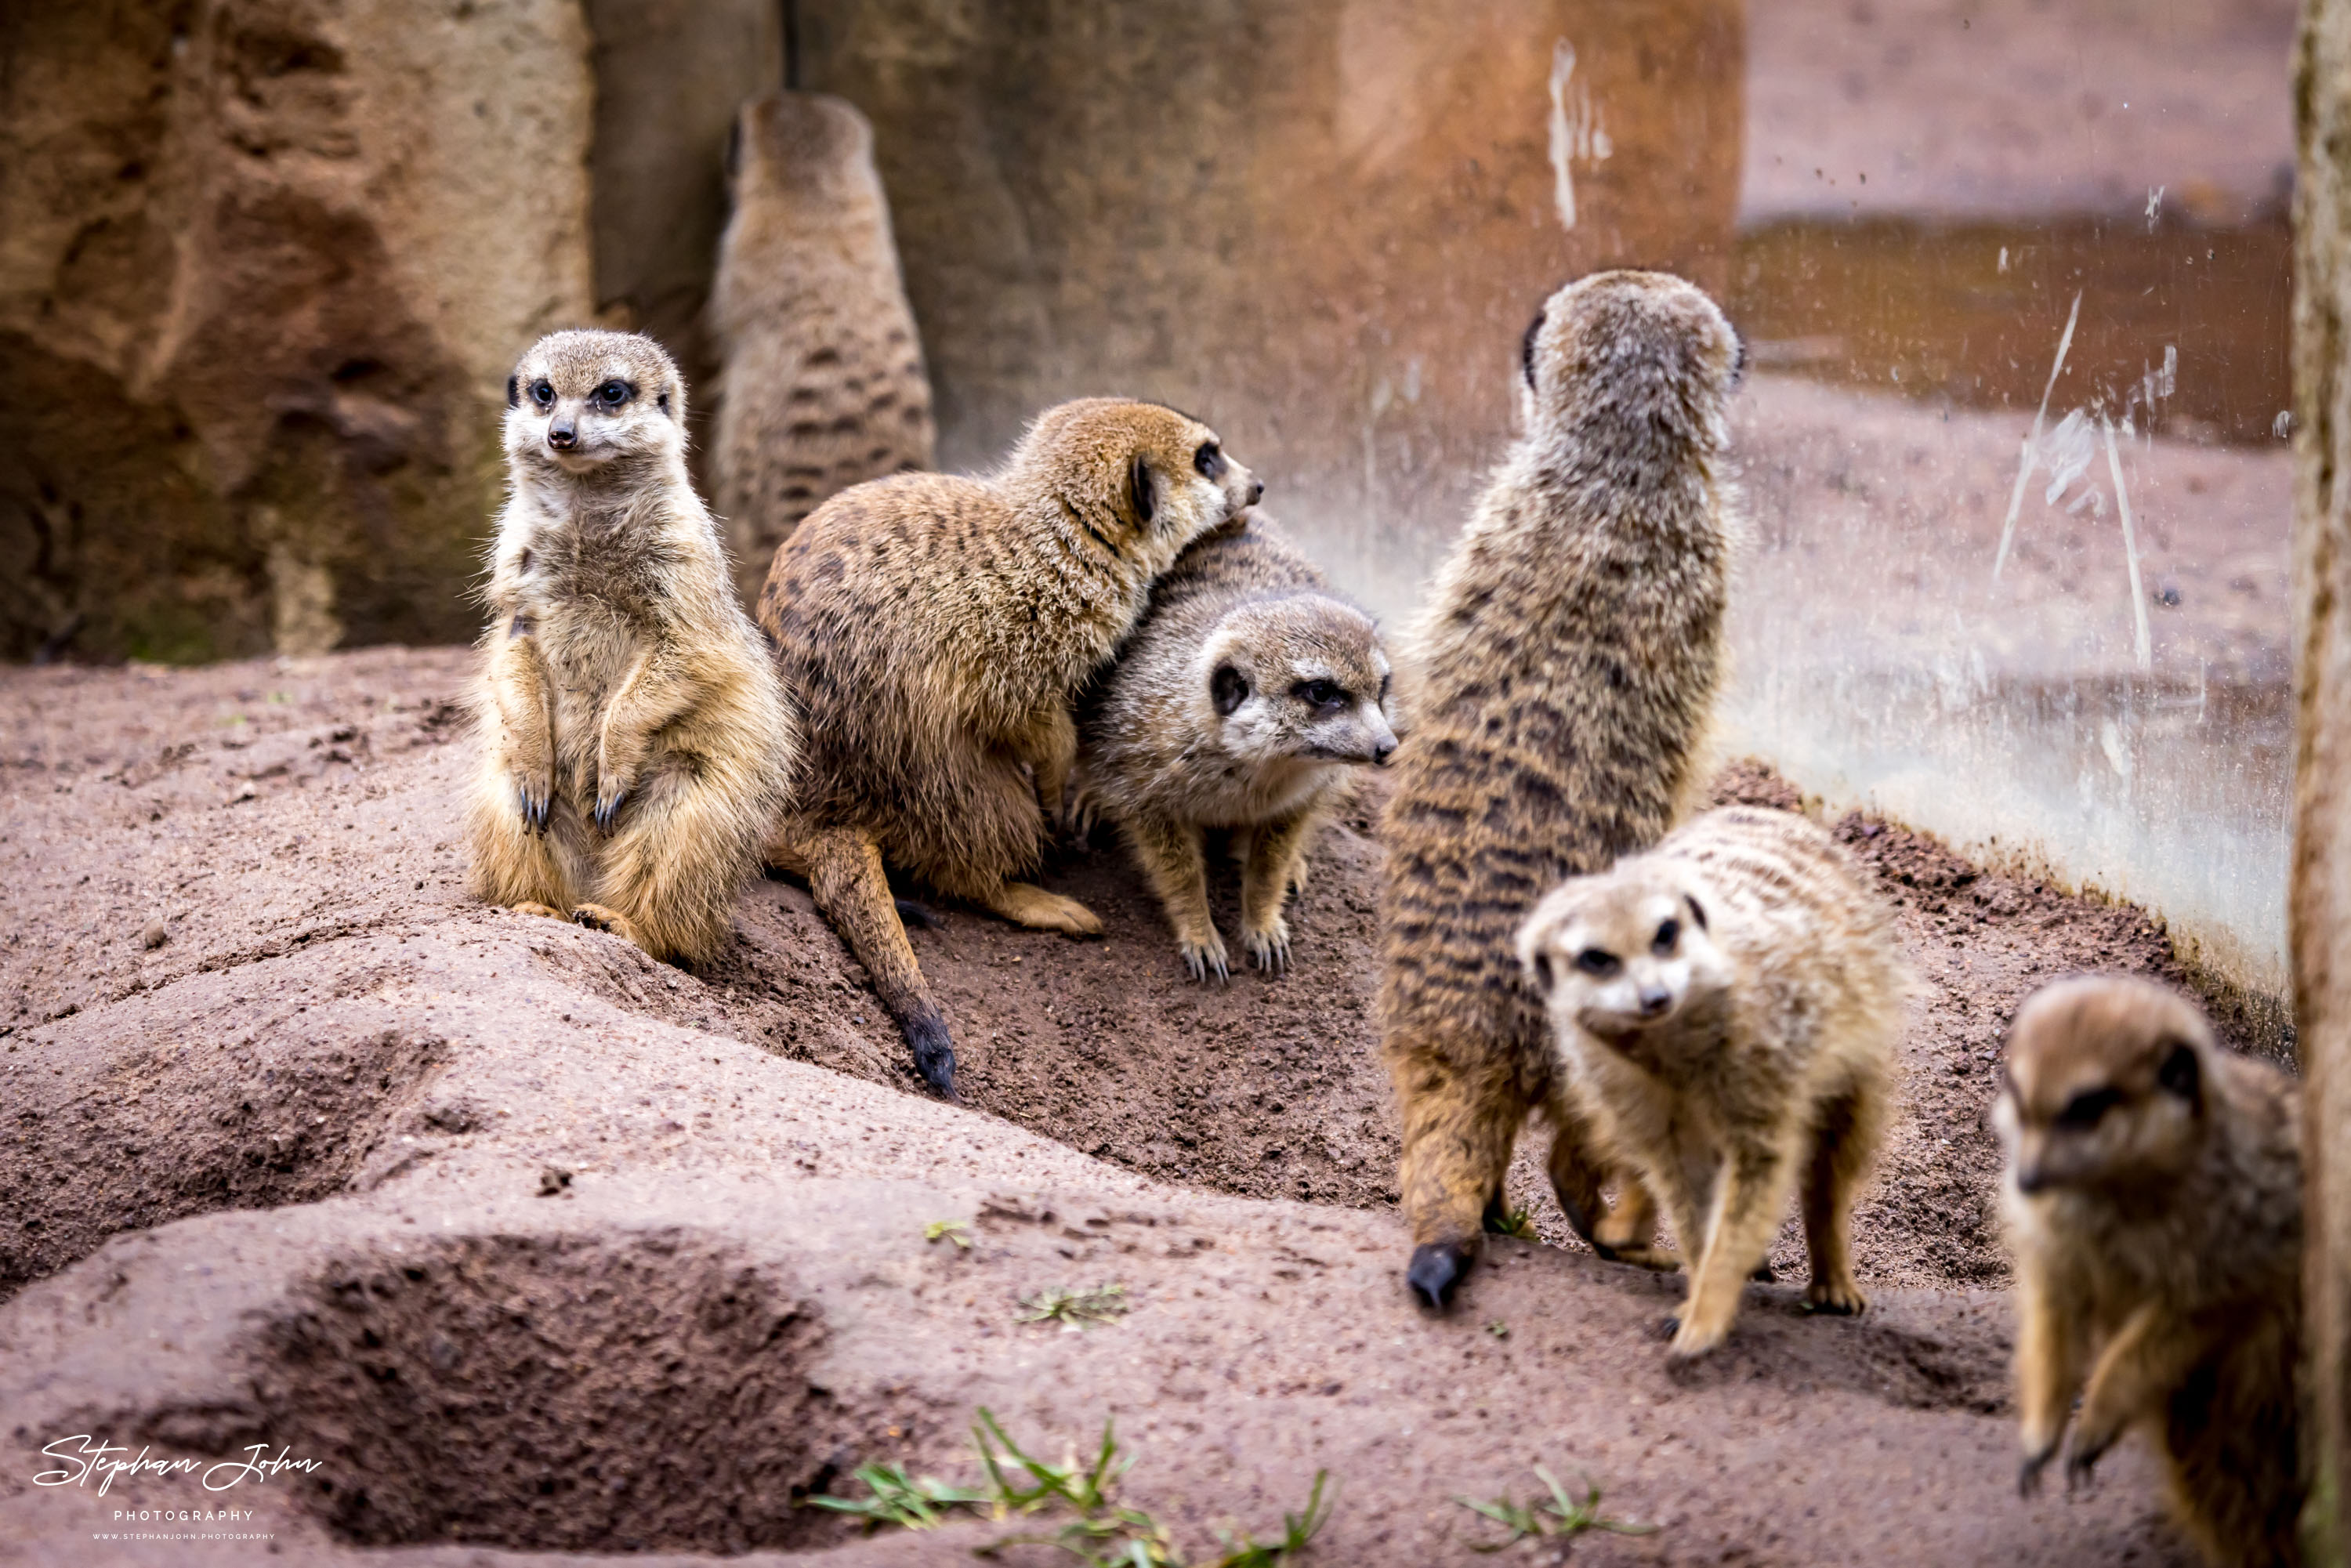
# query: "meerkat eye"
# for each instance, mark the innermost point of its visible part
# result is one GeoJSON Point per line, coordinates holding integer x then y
{"type": "Point", "coordinates": [542, 393]}
{"type": "Point", "coordinates": [612, 394]}
{"type": "Point", "coordinates": [1596, 961]}
{"type": "Point", "coordinates": [1318, 694]}
{"type": "Point", "coordinates": [1208, 460]}
{"type": "Point", "coordinates": [2088, 1108]}
{"type": "Point", "coordinates": [1667, 934]}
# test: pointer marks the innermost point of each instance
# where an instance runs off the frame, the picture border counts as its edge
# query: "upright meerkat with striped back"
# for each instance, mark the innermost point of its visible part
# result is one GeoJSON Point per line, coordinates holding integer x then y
{"type": "Point", "coordinates": [1241, 701]}
{"type": "Point", "coordinates": [936, 631]}
{"type": "Point", "coordinates": [635, 743]}
{"type": "Point", "coordinates": [1564, 679]}
{"type": "Point", "coordinates": [1725, 1008]}
{"type": "Point", "coordinates": [823, 385]}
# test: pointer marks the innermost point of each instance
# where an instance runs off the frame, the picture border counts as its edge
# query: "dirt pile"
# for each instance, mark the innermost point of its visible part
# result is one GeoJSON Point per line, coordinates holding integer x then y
{"type": "Point", "coordinates": [529, 1242]}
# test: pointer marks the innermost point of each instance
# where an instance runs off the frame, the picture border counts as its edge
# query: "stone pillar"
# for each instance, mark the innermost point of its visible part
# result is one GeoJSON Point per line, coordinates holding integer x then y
{"type": "Point", "coordinates": [264, 267]}
{"type": "Point", "coordinates": [2319, 910]}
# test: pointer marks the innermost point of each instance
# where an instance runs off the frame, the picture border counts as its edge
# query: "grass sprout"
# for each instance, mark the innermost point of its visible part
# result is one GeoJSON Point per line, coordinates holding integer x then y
{"type": "Point", "coordinates": [1075, 1310]}
{"type": "Point", "coordinates": [1559, 1514]}
{"type": "Point", "coordinates": [955, 1230]}
{"type": "Point", "coordinates": [894, 1497]}
{"type": "Point", "coordinates": [1519, 1223]}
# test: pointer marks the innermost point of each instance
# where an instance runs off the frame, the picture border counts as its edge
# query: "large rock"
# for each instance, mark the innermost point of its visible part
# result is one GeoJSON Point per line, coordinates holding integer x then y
{"type": "Point", "coordinates": [1322, 227]}
{"type": "Point", "coordinates": [264, 266]}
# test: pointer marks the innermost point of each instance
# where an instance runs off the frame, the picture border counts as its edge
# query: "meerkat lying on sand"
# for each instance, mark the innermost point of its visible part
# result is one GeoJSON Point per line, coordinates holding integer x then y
{"type": "Point", "coordinates": [635, 743]}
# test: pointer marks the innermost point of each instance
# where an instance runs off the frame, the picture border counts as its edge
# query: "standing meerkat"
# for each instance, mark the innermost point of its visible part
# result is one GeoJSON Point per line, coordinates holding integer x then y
{"type": "Point", "coordinates": [635, 743]}
{"type": "Point", "coordinates": [1239, 703]}
{"type": "Point", "coordinates": [1726, 1008]}
{"type": "Point", "coordinates": [823, 385]}
{"type": "Point", "coordinates": [936, 629]}
{"type": "Point", "coordinates": [2154, 1205]}
{"type": "Point", "coordinates": [1561, 682]}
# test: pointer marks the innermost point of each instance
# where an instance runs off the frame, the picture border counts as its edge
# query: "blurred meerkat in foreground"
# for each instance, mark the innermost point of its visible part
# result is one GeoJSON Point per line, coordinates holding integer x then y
{"type": "Point", "coordinates": [1241, 703]}
{"type": "Point", "coordinates": [823, 385]}
{"type": "Point", "coordinates": [636, 742]}
{"type": "Point", "coordinates": [2154, 1205]}
{"type": "Point", "coordinates": [1560, 688]}
{"type": "Point", "coordinates": [936, 631]}
{"type": "Point", "coordinates": [1726, 1008]}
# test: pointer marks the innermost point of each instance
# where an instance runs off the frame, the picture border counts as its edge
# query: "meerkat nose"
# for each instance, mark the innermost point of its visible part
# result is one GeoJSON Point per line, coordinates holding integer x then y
{"type": "Point", "coordinates": [1381, 752]}
{"type": "Point", "coordinates": [1655, 999]}
{"type": "Point", "coordinates": [1257, 491]}
{"type": "Point", "coordinates": [561, 436]}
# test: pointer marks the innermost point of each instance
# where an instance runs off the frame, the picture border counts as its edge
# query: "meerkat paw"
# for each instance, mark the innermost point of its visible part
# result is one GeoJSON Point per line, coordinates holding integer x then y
{"type": "Point", "coordinates": [2027, 1472]}
{"type": "Point", "coordinates": [1270, 948]}
{"type": "Point", "coordinates": [598, 917]}
{"type": "Point", "coordinates": [535, 798]}
{"type": "Point", "coordinates": [1024, 903]}
{"type": "Point", "coordinates": [1695, 1336]}
{"type": "Point", "coordinates": [1204, 956]}
{"type": "Point", "coordinates": [1663, 1260]}
{"type": "Point", "coordinates": [1839, 1298]}
{"type": "Point", "coordinates": [2081, 1462]}
{"type": "Point", "coordinates": [609, 802]}
{"type": "Point", "coordinates": [548, 911]}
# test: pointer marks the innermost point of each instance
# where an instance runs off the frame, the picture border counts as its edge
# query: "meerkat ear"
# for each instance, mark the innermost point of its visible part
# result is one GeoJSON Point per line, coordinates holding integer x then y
{"type": "Point", "coordinates": [1139, 493]}
{"type": "Point", "coordinates": [2181, 1074]}
{"type": "Point", "coordinates": [1738, 363]}
{"type": "Point", "coordinates": [1698, 910]}
{"type": "Point", "coordinates": [1539, 967]}
{"type": "Point", "coordinates": [1527, 346]}
{"type": "Point", "coordinates": [1229, 689]}
{"type": "Point", "coordinates": [735, 147]}
{"type": "Point", "coordinates": [514, 390]}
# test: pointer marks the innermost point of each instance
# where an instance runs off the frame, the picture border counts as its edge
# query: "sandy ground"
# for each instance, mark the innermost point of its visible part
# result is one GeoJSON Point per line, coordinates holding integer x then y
{"type": "Point", "coordinates": [534, 1244]}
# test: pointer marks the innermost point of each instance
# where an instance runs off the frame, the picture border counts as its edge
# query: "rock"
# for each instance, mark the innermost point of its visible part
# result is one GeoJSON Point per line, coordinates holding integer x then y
{"type": "Point", "coordinates": [153, 934]}
{"type": "Point", "coordinates": [265, 269]}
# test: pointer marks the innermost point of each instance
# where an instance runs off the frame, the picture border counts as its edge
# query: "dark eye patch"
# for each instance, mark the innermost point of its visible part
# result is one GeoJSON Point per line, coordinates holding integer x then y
{"type": "Point", "coordinates": [1208, 460]}
{"type": "Point", "coordinates": [1667, 934]}
{"type": "Point", "coordinates": [2088, 1108]}
{"type": "Point", "coordinates": [614, 393]}
{"type": "Point", "coordinates": [1597, 961]}
{"type": "Point", "coordinates": [542, 393]}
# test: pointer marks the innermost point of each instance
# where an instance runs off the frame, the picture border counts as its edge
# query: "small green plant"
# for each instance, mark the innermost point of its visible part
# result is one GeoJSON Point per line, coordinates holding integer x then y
{"type": "Point", "coordinates": [1520, 1224]}
{"type": "Point", "coordinates": [894, 1497]}
{"type": "Point", "coordinates": [1074, 1310]}
{"type": "Point", "coordinates": [1499, 1329]}
{"type": "Point", "coordinates": [1558, 1514]}
{"type": "Point", "coordinates": [955, 1230]}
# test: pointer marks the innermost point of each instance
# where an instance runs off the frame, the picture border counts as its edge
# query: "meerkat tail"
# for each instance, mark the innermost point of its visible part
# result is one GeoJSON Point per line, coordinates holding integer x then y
{"type": "Point", "coordinates": [1458, 1132]}
{"type": "Point", "coordinates": [845, 876]}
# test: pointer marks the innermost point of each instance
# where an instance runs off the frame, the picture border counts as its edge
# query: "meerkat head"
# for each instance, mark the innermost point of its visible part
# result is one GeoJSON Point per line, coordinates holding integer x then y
{"type": "Point", "coordinates": [1141, 480]}
{"type": "Point", "coordinates": [805, 145]}
{"type": "Point", "coordinates": [579, 401]}
{"type": "Point", "coordinates": [1645, 352]}
{"type": "Point", "coordinates": [2104, 1086]}
{"type": "Point", "coordinates": [1302, 677]}
{"type": "Point", "coordinates": [1622, 951]}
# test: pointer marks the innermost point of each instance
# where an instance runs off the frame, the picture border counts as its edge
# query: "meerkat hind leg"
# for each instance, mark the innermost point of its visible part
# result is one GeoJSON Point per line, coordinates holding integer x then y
{"type": "Point", "coordinates": [1026, 904]}
{"type": "Point", "coordinates": [530, 908]}
{"type": "Point", "coordinates": [1841, 1155]}
{"type": "Point", "coordinates": [1751, 1190]}
{"type": "Point", "coordinates": [603, 918]}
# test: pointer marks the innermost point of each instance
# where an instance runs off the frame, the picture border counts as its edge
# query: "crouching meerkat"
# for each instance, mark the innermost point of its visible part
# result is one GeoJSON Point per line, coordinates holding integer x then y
{"type": "Point", "coordinates": [1241, 701]}
{"type": "Point", "coordinates": [2154, 1205]}
{"type": "Point", "coordinates": [1725, 1010]}
{"type": "Point", "coordinates": [635, 743]}
{"type": "Point", "coordinates": [1557, 692]}
{"type": "Point", "coordinates": [823, 385]}
{"type": "Point", "coordinates": [936, 631]}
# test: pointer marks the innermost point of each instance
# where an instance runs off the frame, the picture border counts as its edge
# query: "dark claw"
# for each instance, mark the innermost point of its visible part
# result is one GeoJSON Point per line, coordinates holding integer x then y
{"type": "Point", "coordinates": [1436, 1272]}
{"type": "Point", "coordinates": [914, 915]}
{"type": "Point", "coordinates": [2028, 1475]}
{"type": "Point", "coordinates": [1669, 1328]}
{"type": "Point", "coordinates": [534, 812]}
{"type": "Point", "coordinates": [2080, 1468]}
{"type": "Point", "coordinates": [934, 1049]}
{"type": "Point", "coordinates": [608, 810]}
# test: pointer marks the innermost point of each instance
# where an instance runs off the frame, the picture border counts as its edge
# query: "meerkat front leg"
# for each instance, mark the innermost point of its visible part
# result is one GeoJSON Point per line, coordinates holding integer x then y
{"type": "Point", "coordinates": [653, 692]}
{"type": "Point", "coordinates": [1843, 1149]}
{"type": "Point", "coordinates": [1276, 852]}
{"type": "Point", "coordinates": [2048, 1374]}
{"type": "Point", "coordinates": [1172, 863]}
{"type": "Point", "coordinates": [521, 694]}
{"type": "Point", "coordinates": [512, 859]}
{"type": "Point", "coordinates": [1751, 1191]}
{"type": "Point", "coordinates": [1050, 746]}
{"type": "Point", "coordinates": [2136, 1373]}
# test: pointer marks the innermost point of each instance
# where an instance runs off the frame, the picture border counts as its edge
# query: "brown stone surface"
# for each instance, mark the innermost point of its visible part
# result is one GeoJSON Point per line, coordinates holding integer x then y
{"type": "Point", "coordinates": [282, 1107]}
{"type": "Point", "coordinates": [263, 270]}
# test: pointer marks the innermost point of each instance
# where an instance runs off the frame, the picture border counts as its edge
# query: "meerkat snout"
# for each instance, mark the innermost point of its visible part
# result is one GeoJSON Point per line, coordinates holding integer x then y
{"type": "Point", "coordinates": [2104, 1085]}
{"type": "Point", "coordinates": [1613, 956]}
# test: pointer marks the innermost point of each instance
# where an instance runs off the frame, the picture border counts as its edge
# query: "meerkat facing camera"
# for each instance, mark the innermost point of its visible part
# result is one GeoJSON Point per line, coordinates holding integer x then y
{"type": "Point", "coordinates": [1726, 1008]}
{"type": "Point", "coordinates": [936, 631]}
{"type": "Point", "coordinates": [823, 385]}
{"type": "Point", "coordinates": [2154, 1205]}
{"type": "Point", "coordinates": [1558, 694]}
{"type": "Point", "coordinates": [636, 742]}
{"type": "Point", "coordinates": [1241, 703]}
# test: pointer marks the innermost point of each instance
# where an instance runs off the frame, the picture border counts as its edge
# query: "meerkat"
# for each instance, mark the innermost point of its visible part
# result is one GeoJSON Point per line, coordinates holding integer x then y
{"type": "Point", "coordinates": [1558, 693]}
{"type": "Point", "coordinates": [636, 742]}
{"type": "Point", "coordinates": [1241, 701]}
{"type": "Point", "coordinates": [936, 631]}
{"type": "Point", "coordinates": [822, 384]}
{"type": "Point", "coordinates": [2153, 1198]}
{"type": "Point", "coordinates": [1725, 1008]}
